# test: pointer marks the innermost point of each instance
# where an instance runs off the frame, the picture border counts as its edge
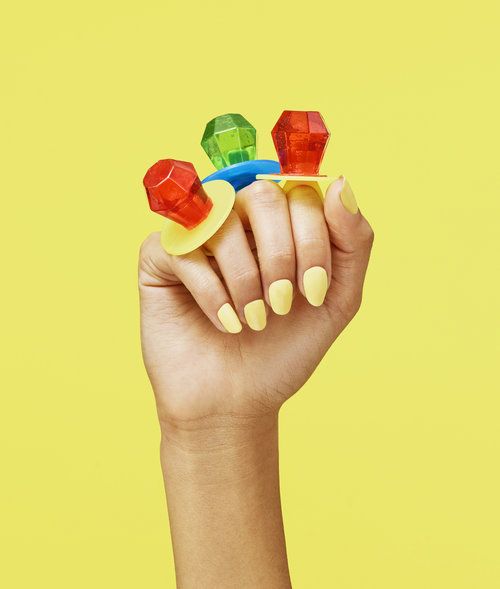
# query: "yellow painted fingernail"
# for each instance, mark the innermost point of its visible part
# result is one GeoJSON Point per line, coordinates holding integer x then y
{"type": "Point", "coordinates": [280, 296]}
{"type": "Point", "coordinates": [255, 314]}
{"type": "Point", "coordinates": [227, 316]}
{"type": "Point", "coordinates": [315, 285]}
{"type": "Point", "coordinates": [348, 199]}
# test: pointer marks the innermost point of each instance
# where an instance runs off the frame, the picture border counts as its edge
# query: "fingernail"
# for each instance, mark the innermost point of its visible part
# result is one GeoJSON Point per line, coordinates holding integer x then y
{"type": "Point", "coordinates": [347, 197]}
{"type": "Point", "coordinates": [255, 314]}
{"type": "Point", "coordinates": [315, 285]}
{"type": "Point", "coordinates": [227, 316]}
{"type": "Point", "coordinates": [280, 296]}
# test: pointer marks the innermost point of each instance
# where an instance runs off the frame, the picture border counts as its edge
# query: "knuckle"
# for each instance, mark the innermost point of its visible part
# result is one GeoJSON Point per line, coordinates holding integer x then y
{"type": "Point", "coordinates": [316, 242]}
{"type": "Point", "coordinates": [264, 193]}
{"type": "Point", "coordinates": [229, 227]}
{"type": "Point", "coordinates": [186, 267]}
{"type": "Point", "coordinates": [230, 223]}
{"type": "Point", "coordinates": [147, 245]}
{"type": "Point", "coordinates": [354, 304]}
{"type": "Point", "coordinates": [280, 257]}
{"type": "Point", "coordinates": [203, 285]}
{"type": "Point", "coordinates": [245, 276]}
{"type": "Point", "coordinates": [188, 264]}
{"type": "Point", "coordinates": [154, 263]}
{"type": "Point", "coordinates": [367, 234]}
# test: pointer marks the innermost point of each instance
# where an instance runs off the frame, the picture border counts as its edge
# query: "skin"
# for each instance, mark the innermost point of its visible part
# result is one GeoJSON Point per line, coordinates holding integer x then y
{"type": "Point", "coordinates": [218, 394]}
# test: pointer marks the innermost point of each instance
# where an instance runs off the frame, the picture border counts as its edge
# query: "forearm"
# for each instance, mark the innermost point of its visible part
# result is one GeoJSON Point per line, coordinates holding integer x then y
{"type": "Point", "coordinates": [222, 484]}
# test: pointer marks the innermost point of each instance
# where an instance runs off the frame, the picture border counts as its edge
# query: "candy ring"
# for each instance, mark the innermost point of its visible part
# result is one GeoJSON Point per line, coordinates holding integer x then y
{"type": "Point", "coordinates": [194, 212]}
{"type": "Point", "coordinates": [300, 139]}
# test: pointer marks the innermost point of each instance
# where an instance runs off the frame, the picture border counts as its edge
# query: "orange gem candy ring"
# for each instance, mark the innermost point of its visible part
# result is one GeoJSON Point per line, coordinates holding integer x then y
{"type": "Point", "coordinates": [300, 139]}
{"type": "Point", "coordinates": [194, 212]}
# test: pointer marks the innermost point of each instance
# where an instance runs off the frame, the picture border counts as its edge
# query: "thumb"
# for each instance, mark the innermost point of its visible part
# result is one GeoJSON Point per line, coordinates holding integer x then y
{"type": "Point", "coordinates": [351, 237]}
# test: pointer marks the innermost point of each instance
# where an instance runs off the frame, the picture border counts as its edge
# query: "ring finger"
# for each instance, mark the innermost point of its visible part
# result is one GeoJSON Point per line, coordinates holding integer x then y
{"type": "Point", "coordinates": [312, 244]}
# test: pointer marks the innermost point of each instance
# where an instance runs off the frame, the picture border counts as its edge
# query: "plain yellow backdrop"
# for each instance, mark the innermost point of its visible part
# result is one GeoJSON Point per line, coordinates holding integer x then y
{"type": "Point", "coordinates": [390, 454]}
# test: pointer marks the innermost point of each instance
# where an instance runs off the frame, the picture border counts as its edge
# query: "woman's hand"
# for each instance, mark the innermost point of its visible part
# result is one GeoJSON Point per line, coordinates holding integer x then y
{"type": "Point", "coordinates": [203, 361]}
{"type": "Point", "coordinates": [219, 385]}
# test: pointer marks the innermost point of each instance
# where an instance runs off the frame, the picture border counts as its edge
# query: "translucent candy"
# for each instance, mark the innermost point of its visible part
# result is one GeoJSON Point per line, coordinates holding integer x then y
{"type": "Point", "coordinates": [300, 139]}
{"type": "Point", "coordinates": [229, 139]}
{"type": "Point", "coordinates": [175, 191]}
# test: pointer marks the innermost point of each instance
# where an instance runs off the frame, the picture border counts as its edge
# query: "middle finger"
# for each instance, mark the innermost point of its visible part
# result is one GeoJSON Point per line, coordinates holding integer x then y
{"type": "Point", "coordinates": [264, 205]}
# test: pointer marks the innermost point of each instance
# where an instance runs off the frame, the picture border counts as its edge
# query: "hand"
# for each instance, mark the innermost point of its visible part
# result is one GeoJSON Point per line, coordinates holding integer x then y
{"type": "Point", "coordinates": [197, 368]}
{"type": "Point", "coordinates": [219, 386]}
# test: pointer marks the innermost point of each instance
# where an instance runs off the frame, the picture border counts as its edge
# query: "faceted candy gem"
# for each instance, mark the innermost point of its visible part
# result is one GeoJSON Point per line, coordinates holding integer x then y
{"type": "Point", "coordinates": [175, 191]}
{"type": "Point", "coordinates": [300, 139]}
{"type": "Point", "coordinates": [229, 139]}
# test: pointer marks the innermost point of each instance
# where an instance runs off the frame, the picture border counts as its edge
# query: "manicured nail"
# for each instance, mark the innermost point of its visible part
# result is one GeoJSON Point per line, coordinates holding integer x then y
{"type": "Point", "coordinates": [280, 296]}
{"type": "Point", "coordinates": [227, 316]}
{"type": "Point", "coordinates": [315, 285]}
{"type": "Point", "coordinates": [347, 198]}
{"type": "Point", "coordinates": [255, 314]}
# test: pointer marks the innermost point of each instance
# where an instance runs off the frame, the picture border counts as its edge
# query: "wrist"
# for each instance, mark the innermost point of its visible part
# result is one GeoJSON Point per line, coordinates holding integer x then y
{"type": "Point", "coordinates": [217, 433]}
{"type": "Point", "coordinates": [221, 447]}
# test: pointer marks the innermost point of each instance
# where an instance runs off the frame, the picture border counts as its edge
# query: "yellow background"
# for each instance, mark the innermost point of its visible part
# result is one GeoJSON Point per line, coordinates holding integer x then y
{"type": "Point", "coordinates": [390, 454]}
